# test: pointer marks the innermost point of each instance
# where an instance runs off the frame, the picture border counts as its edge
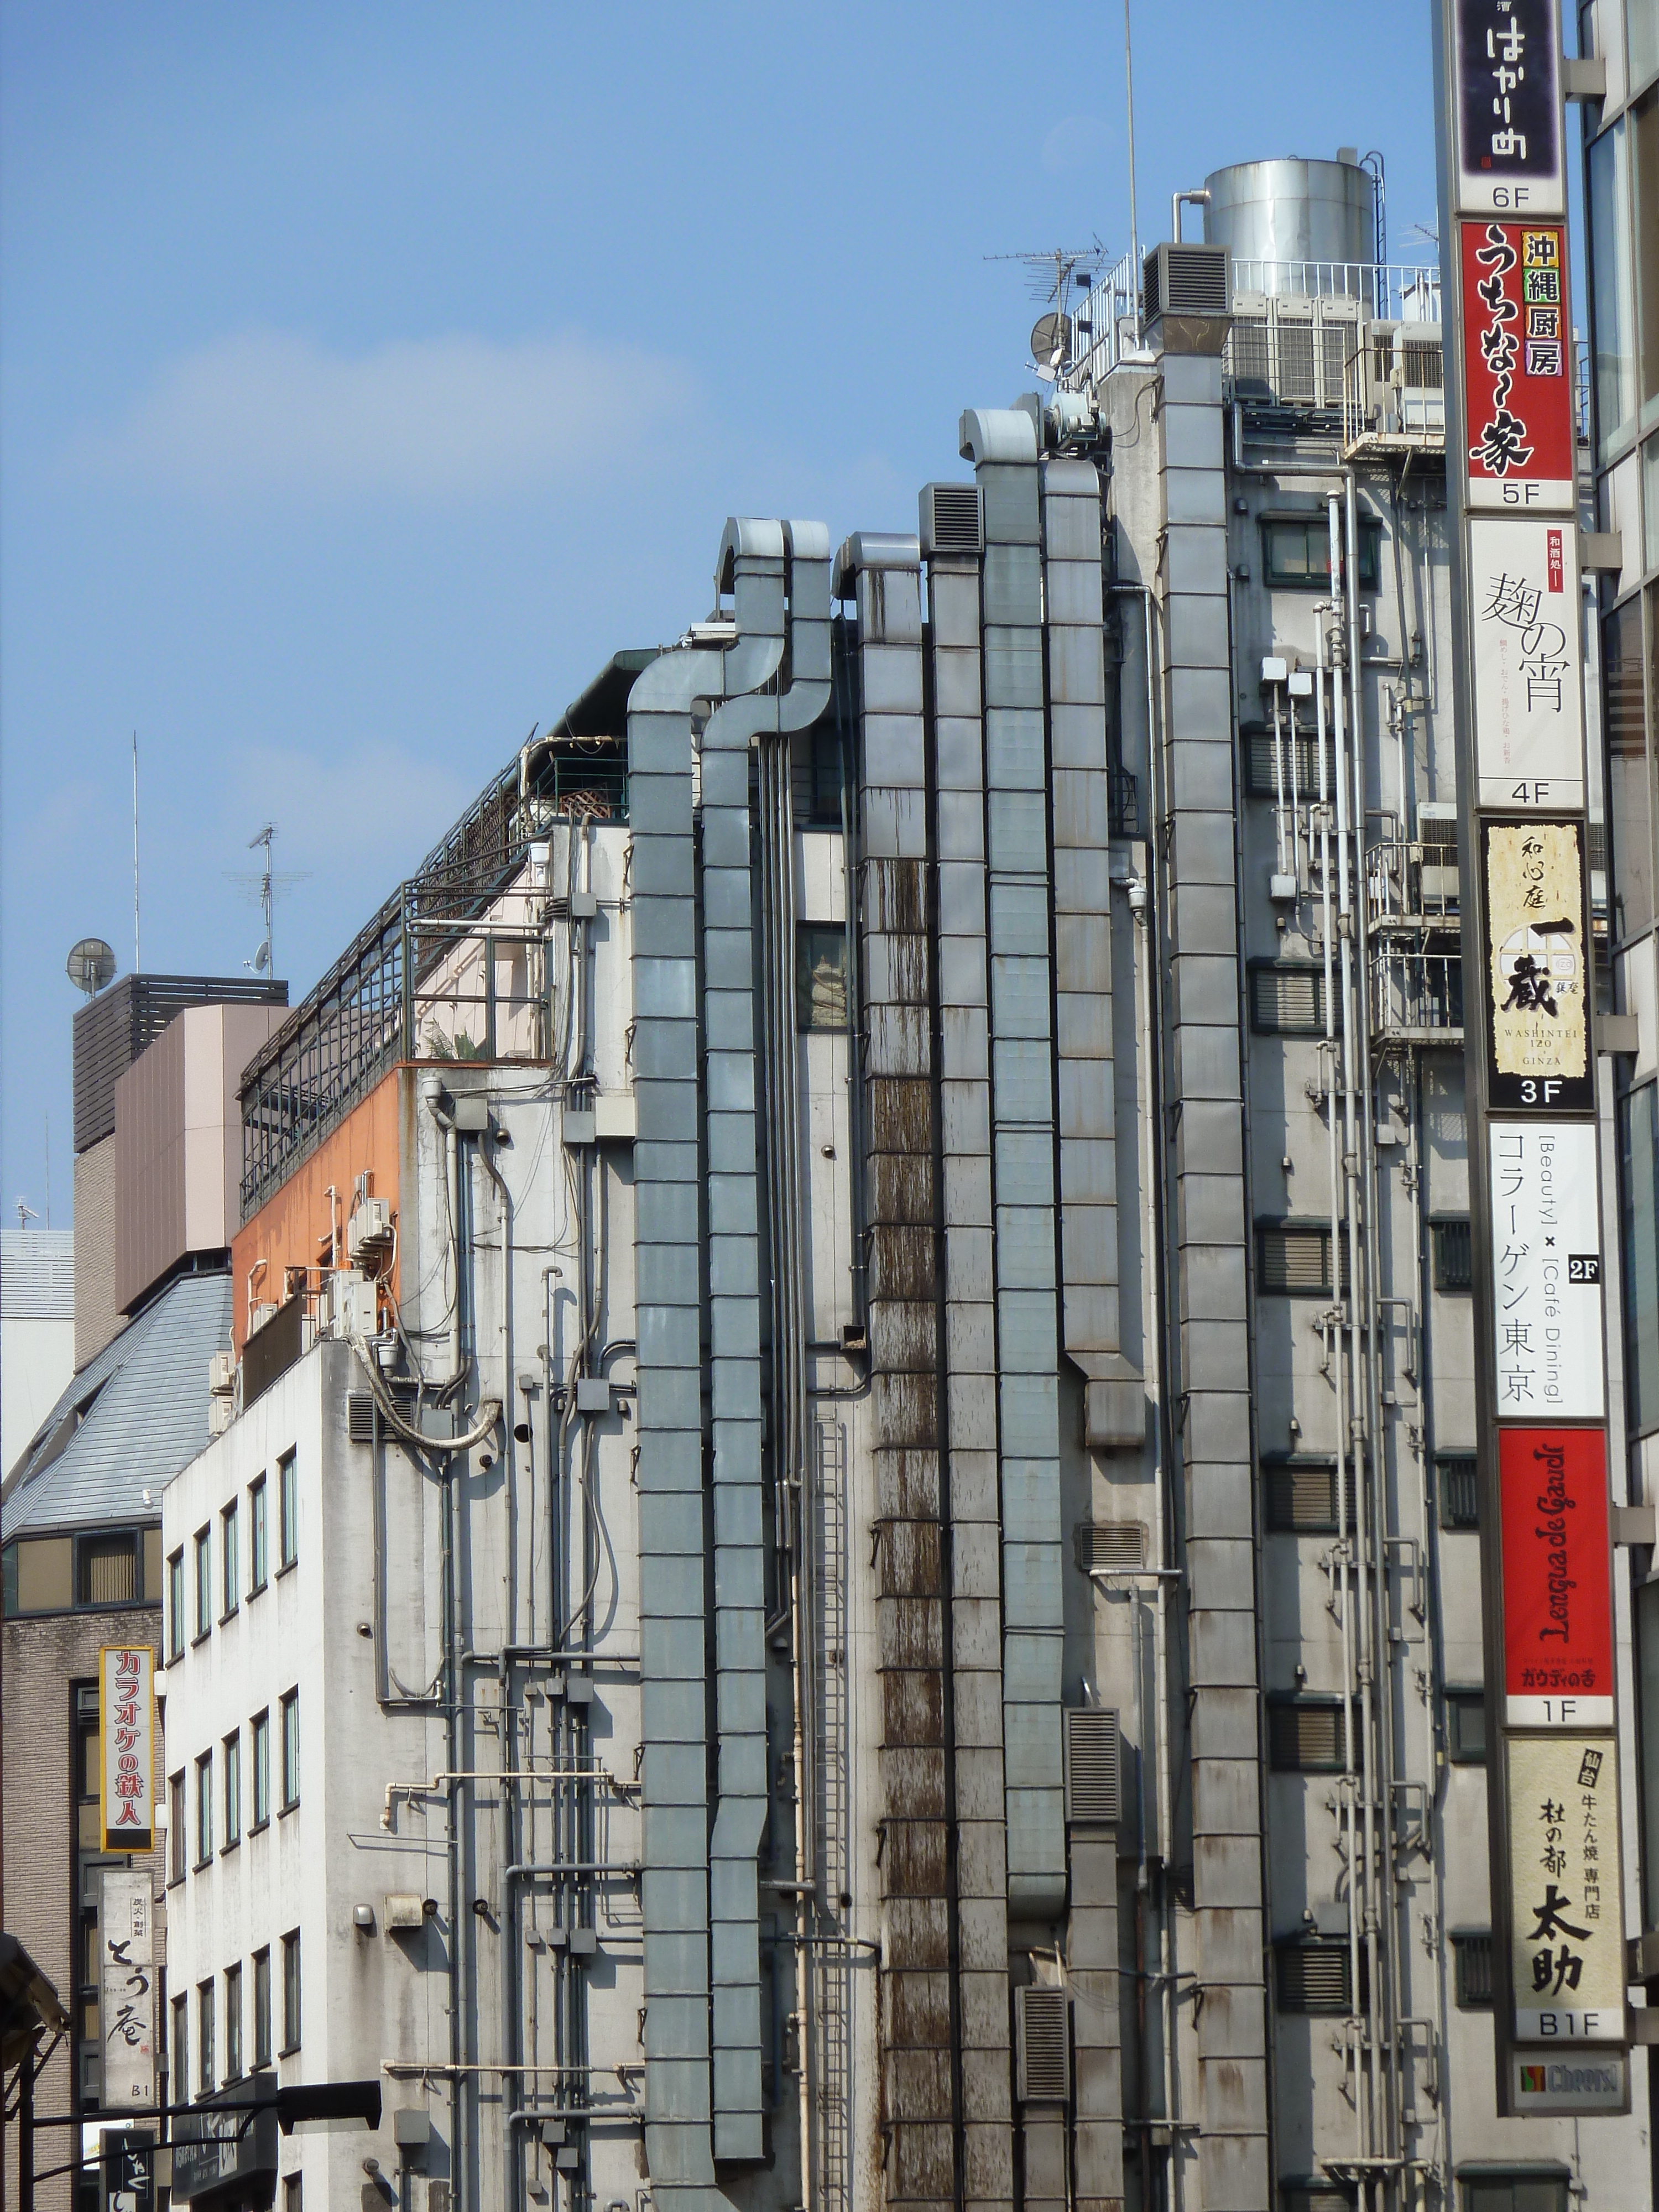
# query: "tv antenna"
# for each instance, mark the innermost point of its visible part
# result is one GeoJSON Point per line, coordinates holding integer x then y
{"type": "Point", "coordinates": [263, 883]}
{"type": "Point", "coordinates": [1052, 277]}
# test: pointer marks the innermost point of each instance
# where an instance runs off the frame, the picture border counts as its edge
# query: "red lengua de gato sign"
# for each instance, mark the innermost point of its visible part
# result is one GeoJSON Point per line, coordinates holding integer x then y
{"type": "Point", "coordinates": [1557, 1593]}
{"type": "Point", "coordinates": [1518, 369]}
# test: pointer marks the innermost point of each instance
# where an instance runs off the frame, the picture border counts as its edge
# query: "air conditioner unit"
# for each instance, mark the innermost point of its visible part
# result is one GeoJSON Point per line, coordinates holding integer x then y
{"type": "Point", "coordinates": [1437, 836]}
{"type": "Point", "coordinates": [222, 1375]}
{"type": "Point", "coordinates": [369, 1235]}
{"type": "Point", "coordinates": [259, 1314]}
{"type": "Point", "coordinates": [351, 1304]}
{"type": "Point", "coordinates": [221, 1411]}
{"type": "Point", "coordinates": [1043, 2054]}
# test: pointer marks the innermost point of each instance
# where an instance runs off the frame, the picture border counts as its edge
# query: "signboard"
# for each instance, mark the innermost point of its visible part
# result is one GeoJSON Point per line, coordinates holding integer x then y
{"type": "Point", "coordinates": [126, 1746]}
{"type": "Point", "coordinates": [1533, 873]}
{"type": "Point", "coordinates": [216, 2146]}
{"type": "Point", "coordinates": [128, 2158]}
{"type": "Point", "coordinates": [1546, 1271]}
{"type": "Point", "coordinates": [1566, 1915]}
{"type": "Point", "coordinates": [1528, 662]}
{"type": "Point", "coordinates": [126, 1990]}
{"type": "Point", "coordinates": [1516, 354]}
{"type": "Point", "coordinates": [1509, 139]}
{"type": "Point", "coordinates": [1558, 1586]}
{"type": "Point", "coordinates": [1546, 2082]}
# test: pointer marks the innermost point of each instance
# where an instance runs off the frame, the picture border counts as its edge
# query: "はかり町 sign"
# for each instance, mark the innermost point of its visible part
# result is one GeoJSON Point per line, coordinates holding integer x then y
{"type": "Point", "coordinates": [1509, 139]}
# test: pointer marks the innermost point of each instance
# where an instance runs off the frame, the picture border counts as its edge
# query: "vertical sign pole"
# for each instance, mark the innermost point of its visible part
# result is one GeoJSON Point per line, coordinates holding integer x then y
{"type": "Point", "coordinates": [1528, 989]}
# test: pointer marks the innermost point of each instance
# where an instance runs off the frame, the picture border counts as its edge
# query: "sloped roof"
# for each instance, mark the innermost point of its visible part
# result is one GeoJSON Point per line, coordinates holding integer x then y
{"type": "Point", "coordinates": [129, 1420]}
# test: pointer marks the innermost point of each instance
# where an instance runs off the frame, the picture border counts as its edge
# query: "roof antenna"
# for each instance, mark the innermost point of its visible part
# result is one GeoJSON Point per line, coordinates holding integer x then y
{"type": "Point", "coordinates": [25, 1214]}
{"type": "Point", "coordinates": [1129, 90]}
{"type": "Point", "coordinates": [137, 954]}
{"type": "Point", "coordinates": [263, 882]}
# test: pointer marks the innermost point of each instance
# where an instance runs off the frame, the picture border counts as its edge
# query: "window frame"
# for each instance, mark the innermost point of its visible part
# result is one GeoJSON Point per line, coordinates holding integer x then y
{"type": "Point", "coordinates": [262, 2019]}
{"type": "Point", "coordinates": [1317, 528]}
{"type": "Point", "coordinates": [127, 1540]}
{"type": "Point", "coordinates": [1305, 1702]}
{"type": "Point", "coordinates": [231, 1790]}
{"type": "Point", "coordinates": [1461, 1699]}
{"type": "Point", "coordinates": [177, 1826]}
{"type": "Point", "coordinates": [810, 937]}
{"type": "Point", "coordinates": [230, 1564]}
{"type": "Point", "coordinates": [206, 2006]}
{"type": "Point", "coordinates": [176, 1605]}
{"type": "Point", "coordinates": [292, 1994]}
{"type": "Point", "coordinates": [1485, 2176]}
{"type": "Point", "coordinates": [201, 1553]}
{"type": "Point", "coordinates": [288, 1511]}
{"type": "Point", "coordinates": [288, 1707]}
{"type": "Point", "coordinates": [203, 1838]}
{"type": "Point", "coordinates": [179, 2085]}
{"type": "Point", "coordinates": [233, 2022]}
{"type": "Point", "coordinates": [260, 1760]}
{"type": "Point", "coordinates": [258, 1537]}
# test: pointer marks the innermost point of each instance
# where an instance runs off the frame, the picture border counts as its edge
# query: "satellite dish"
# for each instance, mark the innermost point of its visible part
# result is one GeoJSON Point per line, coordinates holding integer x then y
{"type": "Point", "coordinates": [262, 958]}
{"type": "Point", "coordinates": [1051, 343]}
{"type": "Point", "coordinates": [91, 965]}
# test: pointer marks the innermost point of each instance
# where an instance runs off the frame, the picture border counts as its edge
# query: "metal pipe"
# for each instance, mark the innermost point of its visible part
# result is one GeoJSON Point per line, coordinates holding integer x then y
{"type": "Point", "coordinates": [1177, 200]}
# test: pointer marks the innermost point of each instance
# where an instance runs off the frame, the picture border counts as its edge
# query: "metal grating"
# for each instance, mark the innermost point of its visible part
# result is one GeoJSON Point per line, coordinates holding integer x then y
{"type": "Point", "coordinates": [1298, 760]}
{"type": "Point", "coordinates": [1460, 1490]}
{"type": "Point", "coordinates": [1045, 2054]}
{"type": "Point", "coordinates": [1314, 1978]}
{"type": "Point", "coordinates": [1293, 1260]}
{"type": "Point", "coordinates": [1300, 1494]}
{"type": "Point", "coordinates": [360, 1416]}
{"type": "Point", "coordinates": [953, 519]}
{"type": "Point", "coordinates": [1185, 280]}
{"type": "Point", "coordinates": [1094, 1766]}
{"type": "Point", "coordinates": [1454, 1259]}
{"type": "Point", "coordinates": [1108, 1545]}
{"type": "Point", "coordinates": [1286, 1000]}
{"type": "Point", "coordinates": [1306, 1736]}
{"type": "Point", "coordinates": [1472, 1969]}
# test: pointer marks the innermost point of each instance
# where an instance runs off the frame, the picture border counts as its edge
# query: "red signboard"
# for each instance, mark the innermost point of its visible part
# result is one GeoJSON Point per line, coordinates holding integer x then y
{"type": "Point", "coordinates": [1518, 416]}
{"type": "Point", "coordinates": [1558, 1594]}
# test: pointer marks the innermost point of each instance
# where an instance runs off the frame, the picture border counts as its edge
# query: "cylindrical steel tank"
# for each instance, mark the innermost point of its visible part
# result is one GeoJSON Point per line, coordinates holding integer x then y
{"type": "Point", "coordinates": [1269, 213]}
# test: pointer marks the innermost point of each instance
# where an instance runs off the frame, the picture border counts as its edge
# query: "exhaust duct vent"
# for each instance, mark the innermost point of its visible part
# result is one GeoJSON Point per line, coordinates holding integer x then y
{"type": "Point", "coordinates": [1045, 2074]}
{"type": "Point", "coordinates": [952, 520]}
{"type": "Point", "coordinates": [360, 1416]}
{"type": "Point", "coordinates": [1094, 1766]}
{"type": "Point", "coordinates": [1105, 1545]}
{"type": "Point", "coordinates": [1184, 280]}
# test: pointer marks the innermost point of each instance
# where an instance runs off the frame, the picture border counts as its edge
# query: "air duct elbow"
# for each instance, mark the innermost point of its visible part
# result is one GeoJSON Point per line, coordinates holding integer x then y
{"type": "Point", "coordinates": [997, 433]}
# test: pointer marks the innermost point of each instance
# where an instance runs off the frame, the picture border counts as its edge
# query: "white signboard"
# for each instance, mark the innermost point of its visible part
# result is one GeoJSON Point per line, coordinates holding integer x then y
{"type": "Point", "coordinates": [1546, 1271]}
{"type": "Point", "coordinates": [1566, 1915]}
{"type": "Point", "coordinates": [1528, 662]}
{"type": "Point", "coordinates": [1546, 2081]}
{"type": "Point", "coordinates": [126, 1724]}
{"type": "Point", "coordinates": [127, 1991]}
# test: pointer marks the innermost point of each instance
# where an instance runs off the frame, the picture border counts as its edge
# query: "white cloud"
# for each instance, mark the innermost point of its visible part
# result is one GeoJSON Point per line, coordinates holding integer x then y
{"type": "Point", "coordinates": [1076, 142]}
{"type": "Point", "coordinates": [273, 411]}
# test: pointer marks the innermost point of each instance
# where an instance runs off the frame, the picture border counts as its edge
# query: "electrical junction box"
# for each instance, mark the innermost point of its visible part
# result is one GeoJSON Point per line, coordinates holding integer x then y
{"type": "Point", "coordinates": [1300, 684]}
{"type": "Point", "coordinates": [1273, 671]}
{"type": "Point", "coordinates": [1281, 887]}
{"type": "Point", "coordinates": [615, 1118]}
{"type": "Point", "coordinates": [404, 1911]}
{"type": "Point", "coordinates": [471, 1116]}
{"type": "Point", "coordinates": [592, 1394]}
{"type": "Point", "coordinates": [584, 905]}
{"type": "Point", "coordinates": [578, 1126]}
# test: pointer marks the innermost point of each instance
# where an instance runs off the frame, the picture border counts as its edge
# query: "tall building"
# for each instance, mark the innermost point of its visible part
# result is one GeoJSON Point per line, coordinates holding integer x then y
{"type": "Point", "coordinates": [842, 1562]}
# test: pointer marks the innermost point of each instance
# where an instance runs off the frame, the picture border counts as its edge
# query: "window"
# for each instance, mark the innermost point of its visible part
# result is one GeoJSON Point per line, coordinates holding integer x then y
{"type": "Point", "coordinates": [1454, 1263]}
{"type": "Point", "coordinates": [232, 2023]}
{"type": "Point", "coordinates": [1638, 1190]}
{"type": "Point", "coordinates": [1513, 2188]}
{"type": "Point", "coordinates": [204, 1808]}
{"type": "Point", "coordinates": [1460, 1490]}
{"type": "Point", "coordinates": [39, 1576]}
{"type": "Point", "coordinates": [1466, 1727]}
{"type": "Point", "coordinates": [261, 1731]}
{"type": "Point", "coordinates": [827, 776]}
{"type": "Point", "coordinates": [180, 2087]}
{"type": "Point", "coordinates": [258, 1545]}
{"type": "Point", "coordinates": [1306, 1736]}
{"type": "Point", "coordinates": [203, 1582]}
{"type": "Point", "coordinates": [1296, 552]}
{"type": "Point", "coordinates": [1287, 998]}
{"type": "Point", "coordinates": [291, 1750]}
{"type": "Point", "coordinates": [1299, 1493]}
{"type": "Point", "coordinates": [261, 2009]}
{"type": "Point", "coordinates": [1612, 315]}
{"type": "Point", "coordinates": [1314, 2194]}
{"type": "Point", "coordinates": [107, 1569]}
{"type": "Point", "coordinates": [176, 1607]}
{"type": "Point", "coordinates": [176, 1826]}
{"type": "Point", "coordinates": [1630, 787]}
{"type": "Point", "coordinates": [1294, 1258]}
{"type": "Point", "coordinates": [292, 2193]}
{"type": "Point", "coordinates": [1472, 1969]}
{"type": "Point", "coordinates": [205, 2082]}
{"type": "Point", "coordinates": [820, 976]}
{"type": "Point", "coordinates": [1316, 1976]}
{"type": "Point", "coordinates": [233, 1747]}
{"type": "Point", "coordinates": [287, 1509]}
{"type": "Point", "coordinates": [230, 1565]}
{"type": "Point", "coordinates": [290, 1992]}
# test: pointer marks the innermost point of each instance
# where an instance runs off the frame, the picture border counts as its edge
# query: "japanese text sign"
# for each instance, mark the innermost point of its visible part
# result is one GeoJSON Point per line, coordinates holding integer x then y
{"type": "Point", "coordinates": [1566, 1915]}
{"type": "Point", "coordinates": [1546, 1271]}
{"type": "Point", "coordinates": [1508, 109]}
{"type": "Point", "coordinates": [1536, 966]}
{"type": "Point", "coordinates": [126, 1992]}
{"type": "Point", "coordinates": [1558, 1590]}
{"type": "Point", "coordinates": [126, 1727]}
{"type": "Point", "coordinates": [1528, 662]}
{"type": "Point", "coordinates": [1517, 368]}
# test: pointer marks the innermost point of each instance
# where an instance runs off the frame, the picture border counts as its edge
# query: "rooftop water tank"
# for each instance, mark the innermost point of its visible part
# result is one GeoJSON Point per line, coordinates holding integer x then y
{"type": "Point", "coordinates": [1272, 213]}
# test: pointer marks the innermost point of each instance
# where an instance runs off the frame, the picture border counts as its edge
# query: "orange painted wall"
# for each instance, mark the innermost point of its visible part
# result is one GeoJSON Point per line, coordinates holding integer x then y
{"type": "Point", "coordinates": [291, 1229]}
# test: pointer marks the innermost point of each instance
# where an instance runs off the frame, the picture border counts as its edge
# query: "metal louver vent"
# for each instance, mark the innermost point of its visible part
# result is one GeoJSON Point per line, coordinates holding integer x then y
{"type": "Point", "coordinates": [360, 1416]}
{"type": "Point", "coordinates": [1460, 1490]}
{"type": "Point", "coordinates": [1472, 1961]}
{"type": "Point", "coordinates": [1094, 1766]}
{"type": "Point", "coordinates": [951, 519]}
{"type": "Point", "coordinates": [1110, 1544]}
{"type": "Point", "coordinates": [1301, 1494]}
{"type": "Point", "coordinates": [1287, 1001]}
{"type": "Point", "coordinates": [1305, 1736]}
{"type": "Point", "coordinates": [1313, 1977]}
{"type": "Point", "coordinates": [1185, 280]}
{"type": "Point", "coordinates": [1045, 2074]}
{"type": "Point", "coordinates": [1300, 767]}
{"type": "Point", "coordinates": [1294, 1261]}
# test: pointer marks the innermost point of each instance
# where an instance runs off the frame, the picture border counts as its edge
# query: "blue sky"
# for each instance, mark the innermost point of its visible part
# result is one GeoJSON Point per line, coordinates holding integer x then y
{"type": "Point", "coordinates": [368, 374]}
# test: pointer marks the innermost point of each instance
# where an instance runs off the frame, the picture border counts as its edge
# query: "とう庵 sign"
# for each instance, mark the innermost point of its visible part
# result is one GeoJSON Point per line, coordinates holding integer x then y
{"type": "Point", "coordinates": [126, 1990]}
{"type": "Point", "coordinates": [1528, 663]}
{"type": "Point", "coordinates": [1516, 362]}
{"type": "Point", "coordinates": [126, 1746]}
{"type": "Point", "coordinates": [1546, 1271]}
{"type": "Point", "coordinates": [1558, 1589]}
{"type": "Point", "coordinates": [1566, 1917]}
{"type": "Point", "coordinates": [1539, 1036]}
{"type": "Point", "coordinates": [1509, 143]}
